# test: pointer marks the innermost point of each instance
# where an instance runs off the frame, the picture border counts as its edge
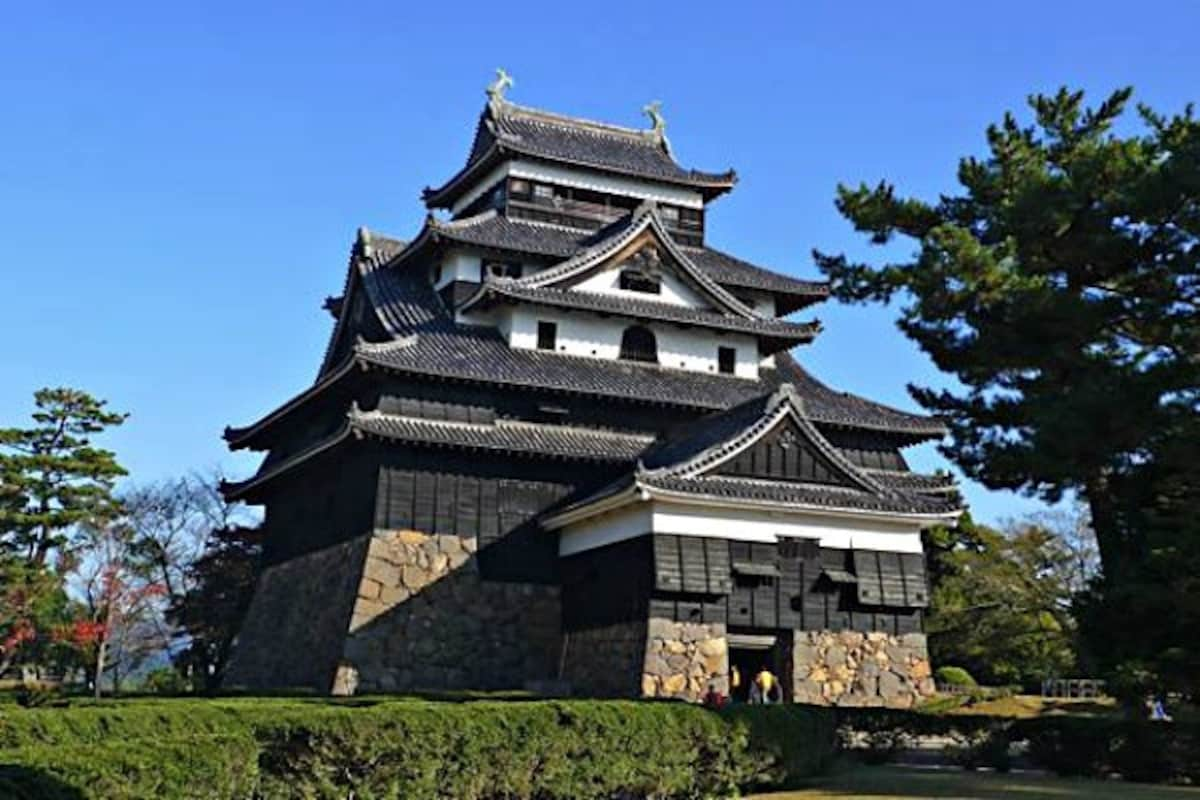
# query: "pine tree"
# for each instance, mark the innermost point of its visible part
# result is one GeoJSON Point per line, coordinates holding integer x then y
{"type": "Point", "coordinates": [1061, 290]}
{"type": "Point", "coordinates": [53, 478]}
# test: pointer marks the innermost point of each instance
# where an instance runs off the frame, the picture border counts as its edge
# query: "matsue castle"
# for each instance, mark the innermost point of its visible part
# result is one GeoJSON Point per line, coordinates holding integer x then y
{"type": "Point", "coordinates": [559, 442]}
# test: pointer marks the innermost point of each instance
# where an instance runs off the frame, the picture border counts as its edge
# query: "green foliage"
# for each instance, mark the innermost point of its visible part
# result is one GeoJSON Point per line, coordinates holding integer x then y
{"type": "Point", "coordinates": [54, 478]}
{"type": "Point", "coordinates": [1149, 752]}
{"type": "Point", "coordinates": [35, 612]}
{"type": "Point", "coordinates": [406, 749]}
{"type": "Point", "coordinates": [985, 748]}
{"type": "Point", "coordinates": [1060, 288]}
{"type": "Point", "coordinates": [165, 680]}
{"type": "Point", "coordinates": [211, 610]}
{"type": "Point", "coordinates": [1000, 603]}
{"type": "Point", "coordinates": [954, 676]}
{"type": "Point", "coordinates": [1068, 745]}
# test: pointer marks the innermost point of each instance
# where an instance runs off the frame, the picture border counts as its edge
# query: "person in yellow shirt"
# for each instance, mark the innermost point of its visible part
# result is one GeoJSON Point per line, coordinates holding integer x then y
{"type": "Point", "coordinates": [767, 685]}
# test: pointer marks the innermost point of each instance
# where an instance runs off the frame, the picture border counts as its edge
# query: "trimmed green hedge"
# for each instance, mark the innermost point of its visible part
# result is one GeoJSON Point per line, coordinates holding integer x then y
{"type": "Point", "coordinates": [406, 749]}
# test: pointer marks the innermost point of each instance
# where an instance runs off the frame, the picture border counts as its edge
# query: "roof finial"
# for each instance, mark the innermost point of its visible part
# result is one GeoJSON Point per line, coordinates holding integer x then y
{"type": "Point", "coordinates": [497, 88]}
{"type": "Point", "coordinates": [658, 124]}
{"type": "Point", "coordinates": [364, 242]}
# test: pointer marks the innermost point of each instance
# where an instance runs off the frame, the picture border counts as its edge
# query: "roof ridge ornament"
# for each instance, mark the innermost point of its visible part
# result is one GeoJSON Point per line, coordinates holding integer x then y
{"type": "Point", "coordinates": [364, 241]}
{"type": "Point", "coordinates": [658, 123]}
{"type": "Point", "coordinates": [496, 89]}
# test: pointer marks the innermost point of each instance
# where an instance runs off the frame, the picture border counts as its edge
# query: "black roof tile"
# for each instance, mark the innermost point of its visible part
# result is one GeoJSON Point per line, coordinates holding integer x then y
{"type": "Point", "coordinates": [508, 129]}
{"type": "Point", "coordinates": [806, 494]}
{"type": "Point", "coordinates": [495, 231]}
{"type": "Point", "coordinates": [559, 441]}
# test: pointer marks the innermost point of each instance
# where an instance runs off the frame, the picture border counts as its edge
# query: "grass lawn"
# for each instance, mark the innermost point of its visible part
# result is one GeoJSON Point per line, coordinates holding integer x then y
{"type": "Point", "coordinates": [1023, 706]}
{"type": "Point", "coordinates": [886, 783]}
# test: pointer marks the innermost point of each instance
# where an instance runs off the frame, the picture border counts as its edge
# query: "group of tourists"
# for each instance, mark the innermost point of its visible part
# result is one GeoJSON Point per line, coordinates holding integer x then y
{"type": "Point", "coordinates": [764, 689]}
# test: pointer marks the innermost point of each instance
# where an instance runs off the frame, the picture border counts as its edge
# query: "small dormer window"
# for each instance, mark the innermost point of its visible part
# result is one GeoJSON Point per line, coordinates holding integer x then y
{"type": "Point", "coordinates": [638, 344]}
{"type": "Point", "coordinates": [635, 280]}
{"type": "Point", "coordinates": [726, 360]}
{"type": "Point", "coordinates": [519, 189]}
{"type": "Point", "coordinates": [547, 335]}
{"type": "Point", "coordinates": [499, 269]}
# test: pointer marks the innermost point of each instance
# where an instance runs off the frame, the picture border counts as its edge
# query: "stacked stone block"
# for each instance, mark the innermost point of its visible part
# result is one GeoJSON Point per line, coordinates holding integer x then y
{"type": "Point", "coordinates": [683, 659]}
{"type": "Point", "coordinates": [848, 668]}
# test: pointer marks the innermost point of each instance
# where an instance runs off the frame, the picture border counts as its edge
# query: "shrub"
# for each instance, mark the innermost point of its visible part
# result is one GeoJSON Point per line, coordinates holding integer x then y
{"type": "Point", "coordinates": [165, 680]}
{"type": "Point", "coordinates": [38, 695]}
{"type": "Point", "coordinates": [954, 676]}
{"type": "Point", "coordinates": [405, 749]}
{"type": "Point", "coordinates": [985, 748]}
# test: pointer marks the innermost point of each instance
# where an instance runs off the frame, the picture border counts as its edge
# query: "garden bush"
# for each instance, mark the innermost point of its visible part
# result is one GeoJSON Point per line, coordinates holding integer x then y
{"type": "Point", "coordinates": [954, 676]}
{"type": "Point", "coordinates": [405, 749]}
{"type": "Point", "coordinates": [1135, 749]}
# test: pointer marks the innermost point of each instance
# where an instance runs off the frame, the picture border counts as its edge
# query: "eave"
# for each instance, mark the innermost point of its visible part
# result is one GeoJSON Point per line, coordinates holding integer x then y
{"type": "Point", "coordinates": [639, 491]}
{"type": "Point", "coordinates": [710, 186]}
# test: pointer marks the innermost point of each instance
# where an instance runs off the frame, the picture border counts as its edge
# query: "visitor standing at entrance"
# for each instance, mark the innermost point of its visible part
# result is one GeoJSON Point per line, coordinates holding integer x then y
{"type": "Point", "coordinates": [766, 686]}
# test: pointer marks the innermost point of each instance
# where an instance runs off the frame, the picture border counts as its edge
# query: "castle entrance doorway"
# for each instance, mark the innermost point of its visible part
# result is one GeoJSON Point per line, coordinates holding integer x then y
{"type": "Point", "coordinates": [750, 652]}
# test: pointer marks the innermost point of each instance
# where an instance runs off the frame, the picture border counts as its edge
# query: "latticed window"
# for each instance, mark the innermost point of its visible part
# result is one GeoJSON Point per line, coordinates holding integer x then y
{"type": "Point", "coordinates": [632, 280]}
{"type": "Point", "coordinates": [638, 344]}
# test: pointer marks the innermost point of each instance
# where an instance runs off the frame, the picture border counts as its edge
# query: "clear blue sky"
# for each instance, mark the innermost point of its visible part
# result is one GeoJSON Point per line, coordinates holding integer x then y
{"type": "Point", "coordinates": [180, 182]}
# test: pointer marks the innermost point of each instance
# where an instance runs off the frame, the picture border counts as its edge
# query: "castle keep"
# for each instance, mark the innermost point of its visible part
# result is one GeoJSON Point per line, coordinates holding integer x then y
{"type": "Point", "coordinates": [559, 441]}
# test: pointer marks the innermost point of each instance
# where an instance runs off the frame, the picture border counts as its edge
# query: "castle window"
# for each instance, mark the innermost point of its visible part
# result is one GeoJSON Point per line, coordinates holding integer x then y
{"type": "Point", "coordinates": [519, 189]}
{"type": "Point", "coordinates": [499, 269]}
{"type": "Point", "coordinates": [543, 193]}
{"type": "Point", "coordinates": [726, 359]}
{"type": "Point", "coordinates": [670, 214]}
{"type": "Point", "coordinates": [691, 218]}
{"type": "Point", "coordinates": [638, 344]}
{"type": "Point", "coordinates": [547, 337]}
{"type": "Point", "coordinates": [633, 280]}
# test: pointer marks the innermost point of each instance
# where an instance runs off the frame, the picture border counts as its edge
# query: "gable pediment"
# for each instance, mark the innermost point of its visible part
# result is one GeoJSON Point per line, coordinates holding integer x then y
{"type": "Point", "coordinates": [642, 246]}
{"type": "Point", "coordinates": [645, 271]}
{"type": "Point", "coordinates": [771, 439]}
{"type": "Point", "coordinates": [785, 453]}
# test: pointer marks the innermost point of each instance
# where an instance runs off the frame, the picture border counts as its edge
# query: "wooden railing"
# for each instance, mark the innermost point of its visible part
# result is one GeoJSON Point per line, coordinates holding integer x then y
{"type": "Point", "coordinates": [1073, 688]}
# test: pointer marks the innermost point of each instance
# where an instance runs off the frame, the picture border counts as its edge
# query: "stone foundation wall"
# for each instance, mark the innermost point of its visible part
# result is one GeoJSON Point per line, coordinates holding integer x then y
{"type": "Point", "coordinates": [605, 661]}
{"type": "Point", "coordinates": [683, 659]}
{"type": "Point", "coordinates": [294, 629]}
{"type": "Point", "coordinates": [849, 668]}
{"type": "Point", "coordinates": [423, 619]}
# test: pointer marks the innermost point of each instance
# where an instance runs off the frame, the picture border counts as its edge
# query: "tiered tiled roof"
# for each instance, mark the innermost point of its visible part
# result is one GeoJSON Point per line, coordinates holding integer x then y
{"type": "Point", "coordinates": [685, 465]}
{"type": "Point", "coordinates": [506, 130]}
{"type": "Point", "coordinates": [427, 342]}
{"type": "Point", "coordinates": [496, 232]}
{"type": "Point", "coordinates": [514, 438]}
{"type": "Point", "coordinates": [666, 465]}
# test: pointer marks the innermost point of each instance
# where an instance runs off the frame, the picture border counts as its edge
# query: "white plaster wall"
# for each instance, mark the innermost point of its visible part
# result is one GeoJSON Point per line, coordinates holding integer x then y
{"type": "Point", "coordinates": [673, 290]}
{"type": "Point", "coordinates": [582, 179]}
{"type": "Point", "coordinates": [458, 265]}
{"type": "Point", "coordinates": [844, 533]}
{"type": "Point", "coordinates": [745, 525]}
{"type": "Point", "coordinates": [615, 526]}
{"type": "Point", "coordinates": [593, 336]}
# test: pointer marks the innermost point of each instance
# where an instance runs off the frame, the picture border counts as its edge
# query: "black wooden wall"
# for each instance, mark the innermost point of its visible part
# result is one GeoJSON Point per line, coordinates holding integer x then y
{"type": "Point", "coordinates": [607, 585]}
{"type": "Point", "coordinates": [697, 579]}
{"type": "Point", "coordinates": [495, 498]}
{"type": "Point", "coordinates": [327, 500]}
